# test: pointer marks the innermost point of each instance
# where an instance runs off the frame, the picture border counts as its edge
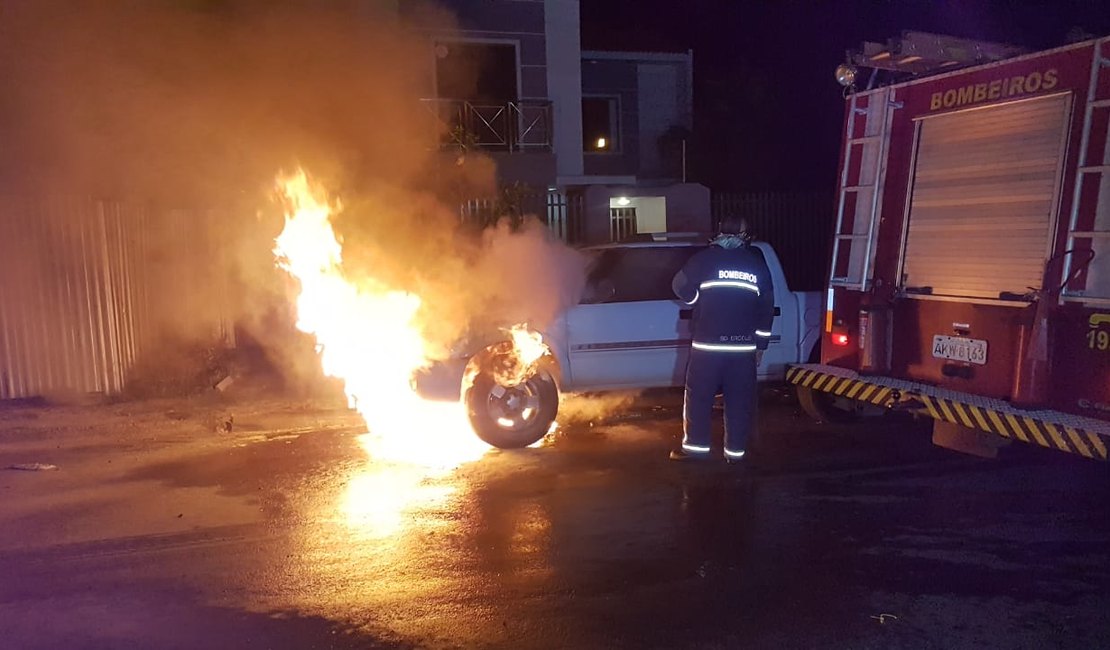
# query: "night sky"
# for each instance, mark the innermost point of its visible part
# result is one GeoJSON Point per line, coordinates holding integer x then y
{"type": "Point", "coordinates": [767, 109]}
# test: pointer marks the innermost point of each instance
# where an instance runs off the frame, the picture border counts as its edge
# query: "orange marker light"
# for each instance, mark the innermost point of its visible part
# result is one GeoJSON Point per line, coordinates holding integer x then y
{"type": "Point", "coordinates": [829, 311]}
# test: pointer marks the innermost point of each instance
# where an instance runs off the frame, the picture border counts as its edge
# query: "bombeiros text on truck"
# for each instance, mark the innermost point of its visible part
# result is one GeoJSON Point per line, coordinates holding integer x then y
{"type": "Point", "coordinates": [970, 268]}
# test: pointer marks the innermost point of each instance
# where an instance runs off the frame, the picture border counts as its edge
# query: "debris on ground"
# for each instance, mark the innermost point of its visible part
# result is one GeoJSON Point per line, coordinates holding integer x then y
{"type": "Point", "coordinates": [882, 618]}
{"type": "Point", "coordinates": [33, 467]}
{"type": "Point", "coordinates": [180, 368]}
{"type": "Point", "coordinates": [225, 383]}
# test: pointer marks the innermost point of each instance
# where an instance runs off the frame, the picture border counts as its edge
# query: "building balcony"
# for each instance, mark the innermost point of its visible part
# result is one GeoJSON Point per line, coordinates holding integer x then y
{"type": "Point", "coordinates": [521, 126]}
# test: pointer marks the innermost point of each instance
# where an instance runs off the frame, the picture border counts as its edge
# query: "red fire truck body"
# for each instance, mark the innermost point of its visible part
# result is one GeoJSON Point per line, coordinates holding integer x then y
{"type": "Point", "coordinates": [970, 273]}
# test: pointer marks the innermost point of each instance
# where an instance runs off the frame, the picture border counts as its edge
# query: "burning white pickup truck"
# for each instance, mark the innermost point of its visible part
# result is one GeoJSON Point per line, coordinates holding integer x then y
{"type": "Point", "coordinates": [628, 332]}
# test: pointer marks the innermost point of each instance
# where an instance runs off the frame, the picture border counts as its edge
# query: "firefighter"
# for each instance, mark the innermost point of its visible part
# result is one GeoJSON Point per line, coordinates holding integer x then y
{"type": "Point", "coordinates": [729, 286]}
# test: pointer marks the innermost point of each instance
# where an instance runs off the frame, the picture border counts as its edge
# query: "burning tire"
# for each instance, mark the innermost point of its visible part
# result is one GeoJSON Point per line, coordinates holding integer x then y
{"type": "Point", "coordinates": [507, 415]}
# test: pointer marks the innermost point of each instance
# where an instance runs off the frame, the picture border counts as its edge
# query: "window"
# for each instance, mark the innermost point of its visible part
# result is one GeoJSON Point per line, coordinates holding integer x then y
{"type": "Point", "coordinates": [481, 73]}
{"type": "Point", "coordinates": [599, 124]}
{"type": "Point", "coordinates": [639, 274]}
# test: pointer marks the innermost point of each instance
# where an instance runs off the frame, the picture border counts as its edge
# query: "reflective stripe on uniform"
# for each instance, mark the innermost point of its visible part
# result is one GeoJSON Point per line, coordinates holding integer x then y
{"type": "Point", "coordinates": [694, 449]}
{"type": "Point", "coordinates": [762, 333]}
{"type": "Point", "coordinates": [694, 299]}
{"type": "Point", "coordinates": [732, 284]}
{"type": "Point", "coordinates": [734, 454]}
{"type": "Point", "coordinates": [722, 347]}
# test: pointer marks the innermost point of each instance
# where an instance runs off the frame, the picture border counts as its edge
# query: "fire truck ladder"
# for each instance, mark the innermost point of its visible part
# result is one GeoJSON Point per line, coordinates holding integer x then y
{"type": "Point", "coordinates": [1085, 231]}
{"type": "Point", "coordinates": [861, 184]}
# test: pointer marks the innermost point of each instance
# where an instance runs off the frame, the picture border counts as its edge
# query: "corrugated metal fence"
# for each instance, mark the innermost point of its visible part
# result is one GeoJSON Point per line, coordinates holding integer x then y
{"type": "Point", "coordinates": [81, 285]}
{"type": "Point", "coordinates": [798, 225]}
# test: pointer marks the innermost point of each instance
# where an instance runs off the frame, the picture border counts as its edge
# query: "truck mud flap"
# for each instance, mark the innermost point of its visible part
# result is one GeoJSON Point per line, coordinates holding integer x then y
{"type": "Point", "coordinates": [1074, 434]}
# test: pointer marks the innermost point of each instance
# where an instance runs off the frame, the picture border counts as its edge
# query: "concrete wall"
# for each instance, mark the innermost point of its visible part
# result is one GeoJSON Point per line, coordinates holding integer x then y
{"type": "Point", "coordinates": [564, 83]}
{"type": "Point", "coordinates": [655, 94]}
{"type": "Point", "coordinates": [535, 169]}
{"type": "Point", "coordinates": [688, 208]}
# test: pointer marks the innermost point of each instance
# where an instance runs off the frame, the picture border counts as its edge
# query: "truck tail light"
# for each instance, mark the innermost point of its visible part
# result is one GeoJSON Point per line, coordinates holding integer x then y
{"type": "Point", "coordinates": [829, 312]}
{"type": "Point", "coordinates": [840, 339]}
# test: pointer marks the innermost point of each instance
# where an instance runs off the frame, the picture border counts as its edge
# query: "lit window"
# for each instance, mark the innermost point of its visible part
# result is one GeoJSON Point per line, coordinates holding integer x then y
{"type": "Point", "coordinates": [599, 124]}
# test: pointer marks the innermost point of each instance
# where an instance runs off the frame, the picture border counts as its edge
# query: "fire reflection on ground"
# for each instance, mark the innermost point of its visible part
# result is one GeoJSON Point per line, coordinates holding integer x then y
{"type": "Point", "coordinates": [378, 501]}
{"type": "Point", "coordinates": [394, 523]}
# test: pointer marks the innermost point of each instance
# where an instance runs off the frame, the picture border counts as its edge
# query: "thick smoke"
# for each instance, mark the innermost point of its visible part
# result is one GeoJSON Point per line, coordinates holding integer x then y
{"type": "Point", "coordinates": [469, 282]}
{"type": "Point", "coordinates": [578, 409]}
{"type": "Point", "coordinates": [198, 104]}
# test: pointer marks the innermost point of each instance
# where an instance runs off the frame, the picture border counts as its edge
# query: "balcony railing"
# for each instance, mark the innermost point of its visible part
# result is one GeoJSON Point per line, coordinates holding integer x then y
{"type": "Point", "coordinates": [513, 126]}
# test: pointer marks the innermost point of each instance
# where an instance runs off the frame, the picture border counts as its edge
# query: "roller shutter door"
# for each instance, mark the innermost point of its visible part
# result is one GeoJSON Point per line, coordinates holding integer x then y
{"type": "Point", "coordinates": [984, 191]}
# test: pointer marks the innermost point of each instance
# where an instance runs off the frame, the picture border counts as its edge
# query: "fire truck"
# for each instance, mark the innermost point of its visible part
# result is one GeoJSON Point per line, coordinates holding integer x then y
{"type": "Point", "coordinates": [970, 266]}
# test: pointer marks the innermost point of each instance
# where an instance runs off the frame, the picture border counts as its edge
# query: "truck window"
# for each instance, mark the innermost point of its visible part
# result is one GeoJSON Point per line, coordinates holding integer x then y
{"type": "Point", "coordinates": [640, 274]}
{"type": "Point", "coordinates": [984, 192]}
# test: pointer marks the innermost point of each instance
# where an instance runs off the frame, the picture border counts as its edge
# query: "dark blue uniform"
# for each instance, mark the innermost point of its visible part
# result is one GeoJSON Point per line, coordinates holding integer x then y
{"type": "Point", "coordinates": [734, 307]}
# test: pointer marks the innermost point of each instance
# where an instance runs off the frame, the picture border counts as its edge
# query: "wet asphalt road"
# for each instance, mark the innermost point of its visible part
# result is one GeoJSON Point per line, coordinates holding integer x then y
{"type": "Point", "coordinates": [860, 536]}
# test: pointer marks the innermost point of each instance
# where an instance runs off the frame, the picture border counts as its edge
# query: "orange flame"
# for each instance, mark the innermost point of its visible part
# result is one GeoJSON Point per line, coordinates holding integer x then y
{"type": "Point", "coordinates": [525, 349]}
{"type": "Point", "coordinates": [369, 336]}
{"type": "Point", "coordinates": [528, 345]}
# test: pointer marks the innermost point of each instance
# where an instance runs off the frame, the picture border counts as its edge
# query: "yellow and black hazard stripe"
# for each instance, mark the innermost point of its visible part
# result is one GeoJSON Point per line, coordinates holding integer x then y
{"type": "Point", "coordinates": [850, 388]}
{"type": "Point", "coordinates": [1015, 426]}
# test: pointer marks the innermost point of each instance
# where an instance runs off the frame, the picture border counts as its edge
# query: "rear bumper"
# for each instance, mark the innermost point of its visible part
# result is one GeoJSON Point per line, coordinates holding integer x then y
{"type": "Point", "coordinates": [1074, 434]}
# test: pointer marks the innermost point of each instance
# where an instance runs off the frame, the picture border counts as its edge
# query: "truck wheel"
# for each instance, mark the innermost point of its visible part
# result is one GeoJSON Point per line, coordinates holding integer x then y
{"type": "Point", "coordinates": [510, 417]}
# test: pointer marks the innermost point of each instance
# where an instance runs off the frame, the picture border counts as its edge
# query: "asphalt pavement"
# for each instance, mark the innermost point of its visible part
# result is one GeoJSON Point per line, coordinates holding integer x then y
{"type": "Point", "coordinates": [162, 529]}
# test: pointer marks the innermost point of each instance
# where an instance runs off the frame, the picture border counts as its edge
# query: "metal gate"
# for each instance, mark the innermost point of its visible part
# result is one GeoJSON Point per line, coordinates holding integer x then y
{"type": "Point", "coordinates": [562, 212]}
{"type": "Point", "coordinates": [622, 223]}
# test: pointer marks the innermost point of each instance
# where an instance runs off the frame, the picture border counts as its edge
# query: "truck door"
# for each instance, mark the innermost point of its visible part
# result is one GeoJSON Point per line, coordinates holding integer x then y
{"type": "Point", "coordinates": [785, 336]}
{"type": "Point", "coordinates": [632, 336]}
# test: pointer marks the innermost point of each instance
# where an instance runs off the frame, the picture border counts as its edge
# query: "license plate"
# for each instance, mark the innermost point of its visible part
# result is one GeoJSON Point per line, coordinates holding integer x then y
{"type": "Point", "coordinates": [960, 349]}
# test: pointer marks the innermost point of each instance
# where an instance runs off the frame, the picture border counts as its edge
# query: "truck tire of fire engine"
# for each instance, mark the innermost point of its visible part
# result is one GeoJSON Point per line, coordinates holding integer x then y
{"type": "Point", "coordinates": [820, 406]}
{"type": "Point", "coordinates": [511, 417]}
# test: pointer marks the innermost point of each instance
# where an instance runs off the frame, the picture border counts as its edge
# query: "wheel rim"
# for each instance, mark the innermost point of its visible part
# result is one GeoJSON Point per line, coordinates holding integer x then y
{"type": "Point", "coordinates": [513, 408]}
